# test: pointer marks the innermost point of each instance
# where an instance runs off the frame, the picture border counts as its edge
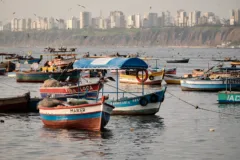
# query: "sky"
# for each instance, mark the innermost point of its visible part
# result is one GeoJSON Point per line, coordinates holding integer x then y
{"type": "Point", "coordinates": [67, 8]}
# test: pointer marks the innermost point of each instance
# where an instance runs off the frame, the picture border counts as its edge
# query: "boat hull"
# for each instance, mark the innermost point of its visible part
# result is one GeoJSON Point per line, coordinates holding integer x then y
{"type": "Point", "coordinates": [228, 97]}
{"type": "Point", "coordinates": [86, 90]}
{"type": "Point", "coordinates": [30, 61]}
{"type": "Point", "coordinates": [153, 79]}
{"type": "Point", "coordinates": [39, 77]}
{"type": "Point", "coordinates": [92, 117]}
{"type": "Point", "coordinates": [209, 85]}
{"type": "Point", "coordinates": [135, 106]}
{"type": "Point", "coordinates": [169, 79]}
{"type": "Point", "coordinates": [15, 104]}
{"type": "Point", "coordinates": [178, 61]}
{"type": "Point", "coordinates": [2, 71]}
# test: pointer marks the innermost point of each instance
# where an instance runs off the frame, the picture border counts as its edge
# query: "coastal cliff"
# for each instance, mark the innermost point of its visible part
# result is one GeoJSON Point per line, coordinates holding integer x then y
{"type": "Point", "coordinates": [168, 36]}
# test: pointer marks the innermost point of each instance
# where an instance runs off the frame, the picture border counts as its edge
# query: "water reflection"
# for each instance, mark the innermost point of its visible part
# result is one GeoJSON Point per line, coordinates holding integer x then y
{"type": "Point", "coordinates": [73, 134]}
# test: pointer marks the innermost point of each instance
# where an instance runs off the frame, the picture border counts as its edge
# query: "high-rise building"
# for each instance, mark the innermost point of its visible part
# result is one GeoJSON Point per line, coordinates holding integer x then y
{"type": "Point", "coordinates": [61, 24]}
{"type": "Point", "coordinates": [193, 18]}
{"type": "Point", "coordinates": [85, 19]}
{"type": "Point", "coordinates": [1, 26]}
{"type": "Point", "coordinates": [152, 19]}
{"type": "Point", "coordinates": [182, 19]}
{"type": "Point", "coordinates": [14, 25]}
{"type": "Point", "coordinates": [51, 23]}
{"type": "Point", "coordinates": [21, 24]}
{"type": "Point", "coordinates": [237, 16]}
{"type": "Point", "coordinates": [167, 19]}
{"type": "Point", "coordinates": [28, 24]}
{"type": "Point", "coordinates": [117, 19]}
{"type": "Point", "coordinates": [72, 23]}
{"type": "Point", "coordinates": [133, 21]}
{"type": "Point", "coordinates": [208, 14]}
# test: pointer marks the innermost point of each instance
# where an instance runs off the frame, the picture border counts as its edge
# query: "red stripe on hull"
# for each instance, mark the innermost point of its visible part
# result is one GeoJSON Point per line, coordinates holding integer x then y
{"type": "Point", "coordinates": [93, 124]}
{"type": "Point", "coordinates": [71, 90]}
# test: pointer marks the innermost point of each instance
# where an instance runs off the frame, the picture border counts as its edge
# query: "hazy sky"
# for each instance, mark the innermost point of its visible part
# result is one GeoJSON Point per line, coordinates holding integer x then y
{"type": "Point", "coordinates": [60, 8]}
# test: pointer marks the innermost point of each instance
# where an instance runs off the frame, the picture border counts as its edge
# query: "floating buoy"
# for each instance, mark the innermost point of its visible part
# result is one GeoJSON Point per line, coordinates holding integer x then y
{"type": "Point", "coordinates": [131, 129]}
{"type": "Point", "coordinates": [211, 130]}
{"type": "Point", "coordinates": [2, 121]}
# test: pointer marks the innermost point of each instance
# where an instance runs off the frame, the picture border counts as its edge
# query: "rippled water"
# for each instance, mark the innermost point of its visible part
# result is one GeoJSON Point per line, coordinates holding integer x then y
{"type": "Point", "coordinates": [177, 131]}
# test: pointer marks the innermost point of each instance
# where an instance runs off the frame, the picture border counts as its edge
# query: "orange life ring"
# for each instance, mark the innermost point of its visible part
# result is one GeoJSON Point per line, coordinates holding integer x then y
{"type": "Point", "coordinates": [144, 79]}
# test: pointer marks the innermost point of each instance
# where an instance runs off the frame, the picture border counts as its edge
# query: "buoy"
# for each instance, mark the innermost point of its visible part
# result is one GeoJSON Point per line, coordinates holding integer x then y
{"type": "Point", "coordinates": [2, 121]}
{"type": "Point", "coordinates": [211, 130]}
{"type": "Point", "coordinates": [131, 129]}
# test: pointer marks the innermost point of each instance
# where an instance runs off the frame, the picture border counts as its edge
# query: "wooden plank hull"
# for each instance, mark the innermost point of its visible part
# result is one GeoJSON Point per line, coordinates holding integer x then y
{"type": "Point", "coordinates": [2, 71]}
{"type": "Point", "coordinates": [39, 77]}
{"type": "Point", "coordinates": [15, 104]}
{"type": "Point", "coordinates": [210, 85]}
{"type": "Point", "coordinates": [92, 117]}
{"type": "Point", "coordinates": [29, 61]}
{"type": "Point", "coordinates": [153, 79]}
{"type": "Point", "coordinates": [86, 90]}
{"type": "Point", "coordinates": [136, 105]}
{"type": "Point", "coordinates": [228, 97]}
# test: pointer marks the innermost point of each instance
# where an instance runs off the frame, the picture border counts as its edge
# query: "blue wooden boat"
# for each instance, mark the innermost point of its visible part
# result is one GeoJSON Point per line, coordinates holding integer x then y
{"type": "Point", "coordinates": [210, 84]}
{"type": "Point", "coordinates": [90, 115]}
{"type": "Point", "coordinates": [143, 104]}
{"type": "Point", "coordinates": [39, 76]}
{"type": "Point", "coordinates": [29, 60]}
{"type": "Point", "coordinates": [228, 97]}
{"type": "Point", "coordinates": [2, 71]}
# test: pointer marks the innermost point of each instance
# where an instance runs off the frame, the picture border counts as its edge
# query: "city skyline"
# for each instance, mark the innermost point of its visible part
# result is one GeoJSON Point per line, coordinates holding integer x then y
{"type": "Point", "coordinates": [17, 9]}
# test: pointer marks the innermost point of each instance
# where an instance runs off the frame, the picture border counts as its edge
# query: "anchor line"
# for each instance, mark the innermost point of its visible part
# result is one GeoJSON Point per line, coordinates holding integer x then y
{"type": "Point", "coordinates": [197, 107]}
{"type": "Point", "coordinates": [18, 87]}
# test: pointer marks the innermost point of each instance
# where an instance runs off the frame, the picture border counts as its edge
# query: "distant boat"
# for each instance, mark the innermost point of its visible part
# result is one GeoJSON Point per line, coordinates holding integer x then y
{"type": "Point", "coordinates": [226, 59]}
{"type": "Point", "coordinates": [172, 79]}
{"type": "Point", "coordinates": [39, 76]}
{"type": "Point", "coordinates": [184, 60]}
{"type": "Point", "coordinates": [29, 60]}
{"type": "Point", "coordinates": [15, 104]}
{"type": "Point", "coordinates": [210, 84]}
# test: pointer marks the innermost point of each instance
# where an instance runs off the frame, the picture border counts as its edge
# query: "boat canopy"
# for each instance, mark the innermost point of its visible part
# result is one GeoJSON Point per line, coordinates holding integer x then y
{"type": "Point", "coordinates": [110, 63]}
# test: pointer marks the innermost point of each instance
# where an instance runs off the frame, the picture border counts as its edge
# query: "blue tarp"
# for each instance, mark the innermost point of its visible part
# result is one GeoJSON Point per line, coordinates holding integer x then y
{"type": "Point", "coordinates": [110, 63]}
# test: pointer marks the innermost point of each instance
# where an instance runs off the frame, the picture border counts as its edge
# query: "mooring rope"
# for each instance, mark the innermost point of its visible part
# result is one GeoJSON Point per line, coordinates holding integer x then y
{"type": "Point", "coordinates": [197, 107]}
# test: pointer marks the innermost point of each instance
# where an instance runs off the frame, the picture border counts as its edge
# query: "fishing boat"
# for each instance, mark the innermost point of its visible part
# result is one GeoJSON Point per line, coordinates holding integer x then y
{"type": "Point", "coordinates": [228, 97]}
{"type": "Point", "coordinates": [2, 71]}
{"type": "Point", "coordinates": [90, 115]}
{"type": "Point", "coordinates": [143, 104]}
{"type": "Point", "coordinates": [41, 76]}
{"type": "Point", "coordinates": [15, 104]}
{"type": "Point", "coordinates": [226, 59]}
{"type": "Point", "coordinates": [136, 77]}
{"type": "Point", "coordinates": [29, 59]}
{"type": "Point", "coordinates": [172, 79]}
{"type": "Point", "coordinates": [89, 90]}
{"type": "Point", "coordinates": [207, 84]}
{"type": "Point", "coordinates": [8, 65]}
{"type": "Point", "coordinates": [184, 60]}
{"type": "Point", "coordinates": [61, 61]}
{"type": "Point", "coordinates": [235, 63]}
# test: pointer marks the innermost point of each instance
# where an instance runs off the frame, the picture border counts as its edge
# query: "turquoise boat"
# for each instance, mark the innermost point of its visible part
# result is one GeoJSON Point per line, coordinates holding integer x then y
{"type": "Point", "coordinates": [39, 77]}
{"type": "Point", "coordinates": [126, 102]}
{"type": "Point", "coordinates": [228, 97]}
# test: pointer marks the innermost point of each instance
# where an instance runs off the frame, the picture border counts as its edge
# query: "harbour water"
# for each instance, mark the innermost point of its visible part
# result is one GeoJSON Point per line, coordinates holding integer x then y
{"type": "Point", "coordinates": [177, 131]}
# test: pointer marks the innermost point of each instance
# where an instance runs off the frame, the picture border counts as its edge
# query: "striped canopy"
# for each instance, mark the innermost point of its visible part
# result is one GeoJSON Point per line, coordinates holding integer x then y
{"type": "Point", "coordinates": [110, 63]}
